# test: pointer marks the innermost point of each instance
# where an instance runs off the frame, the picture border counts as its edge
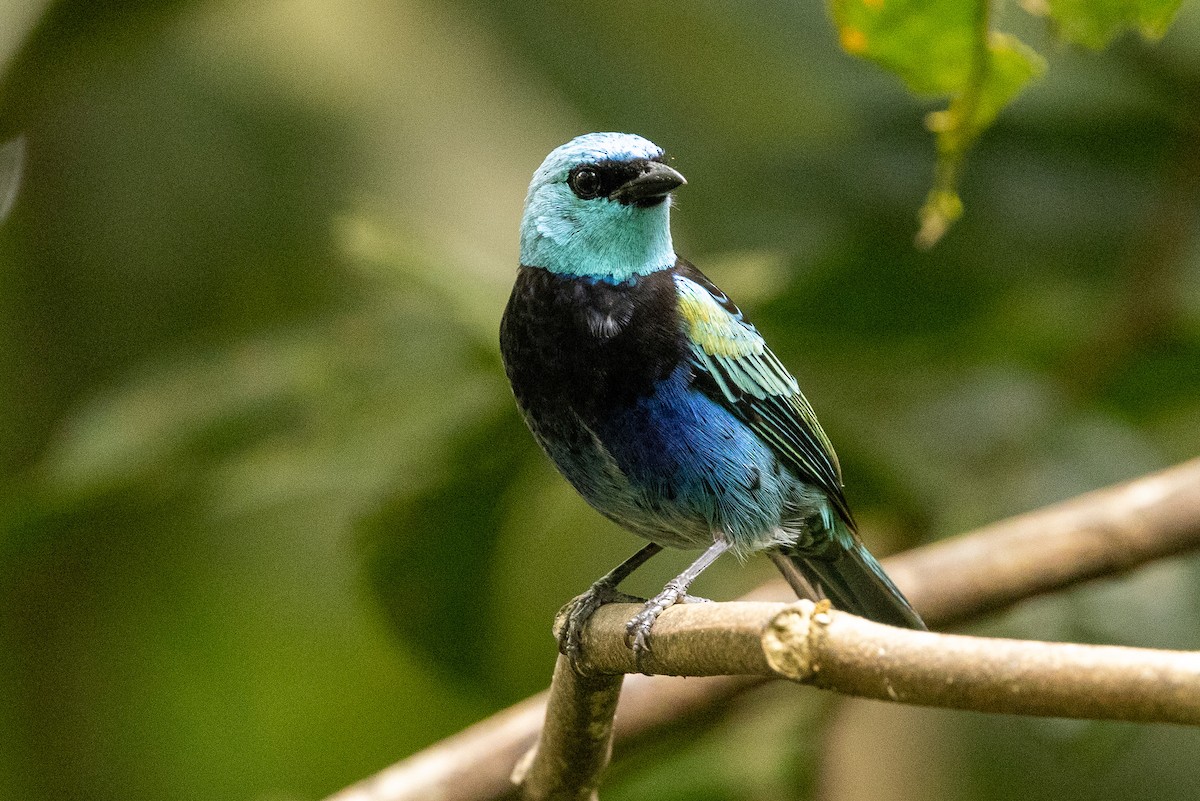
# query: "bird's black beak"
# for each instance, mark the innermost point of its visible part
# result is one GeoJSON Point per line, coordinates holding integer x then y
{"type": "Point", "coordinates": [649, 187]}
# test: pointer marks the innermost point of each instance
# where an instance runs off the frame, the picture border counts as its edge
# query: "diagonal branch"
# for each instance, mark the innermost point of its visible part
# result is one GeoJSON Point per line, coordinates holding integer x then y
{"type": "Point", "coordinates": [1106, 532]}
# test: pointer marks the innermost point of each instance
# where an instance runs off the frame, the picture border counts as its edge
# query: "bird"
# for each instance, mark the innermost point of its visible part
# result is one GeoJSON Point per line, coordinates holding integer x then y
{"type": "Point", "coordinates": [660, 403]}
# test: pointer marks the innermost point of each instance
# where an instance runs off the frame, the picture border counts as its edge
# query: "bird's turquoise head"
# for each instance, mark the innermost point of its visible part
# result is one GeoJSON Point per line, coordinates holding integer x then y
{"type": "Point", "coordinates": [599, 207]}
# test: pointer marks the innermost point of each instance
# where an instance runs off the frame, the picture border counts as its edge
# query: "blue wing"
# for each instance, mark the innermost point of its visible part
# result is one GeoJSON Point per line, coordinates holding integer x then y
{"type": "Point", "coordinates": [738, 369]}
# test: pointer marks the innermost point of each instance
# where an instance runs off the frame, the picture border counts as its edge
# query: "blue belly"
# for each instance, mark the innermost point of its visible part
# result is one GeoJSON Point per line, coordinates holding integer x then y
{"type": "Point", "coordinates": [678, 468]}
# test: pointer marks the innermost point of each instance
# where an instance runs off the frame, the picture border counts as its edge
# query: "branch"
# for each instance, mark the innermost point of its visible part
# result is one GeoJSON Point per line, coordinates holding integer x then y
{"type": "Point", "coordinates": [1105, 532]}
{"type": "Point", "coordinates": [838, 651]}
{"type": "Point", "coordinates": [815, 644]}
{"type": "Point", "coordinates": [576, 739]}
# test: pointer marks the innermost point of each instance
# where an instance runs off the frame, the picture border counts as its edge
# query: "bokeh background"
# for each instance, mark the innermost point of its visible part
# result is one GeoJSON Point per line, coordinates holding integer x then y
{"type": "Point", "coordinates": [268, 518]}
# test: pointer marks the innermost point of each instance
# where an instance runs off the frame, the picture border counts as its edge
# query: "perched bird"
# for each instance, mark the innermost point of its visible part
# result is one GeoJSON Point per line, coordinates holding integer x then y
{"type": "Point", "coordinates": [659, 403]}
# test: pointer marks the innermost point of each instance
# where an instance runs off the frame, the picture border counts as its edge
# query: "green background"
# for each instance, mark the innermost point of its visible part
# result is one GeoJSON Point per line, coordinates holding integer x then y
{"type": "Point", "coordinates": [268, 518]}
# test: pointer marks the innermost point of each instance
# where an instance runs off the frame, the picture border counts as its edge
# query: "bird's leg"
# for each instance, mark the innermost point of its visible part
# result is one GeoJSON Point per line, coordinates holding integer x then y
{"type": "Point", "coordinates": [637, 631]}
{"type": "Point", "coordinates": [571, 619]}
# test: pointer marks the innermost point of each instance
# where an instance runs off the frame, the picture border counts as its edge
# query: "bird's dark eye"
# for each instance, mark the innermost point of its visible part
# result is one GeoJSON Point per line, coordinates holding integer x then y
{"type": "Point", "coordinates": [585, 182]}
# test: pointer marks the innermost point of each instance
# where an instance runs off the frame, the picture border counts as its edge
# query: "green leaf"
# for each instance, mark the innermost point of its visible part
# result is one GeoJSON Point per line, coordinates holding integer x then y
{"type": "Point", "coordinates": [1095, 23]}
{"type": "Point", "coordinates": [1010, 65]}
{"type": "Point", "coordinates": [428, 558]}
{"type": "Point", "coordinates": [928, 45]}
{"type": "Point", "coordinates": [938, 48]}
{"type": "Point", "coordinates": [1007, 66]}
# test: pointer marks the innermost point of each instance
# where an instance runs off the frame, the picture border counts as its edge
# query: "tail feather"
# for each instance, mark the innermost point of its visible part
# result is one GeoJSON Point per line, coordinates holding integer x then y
{"type": "Point", "coordinates": [854, 581]}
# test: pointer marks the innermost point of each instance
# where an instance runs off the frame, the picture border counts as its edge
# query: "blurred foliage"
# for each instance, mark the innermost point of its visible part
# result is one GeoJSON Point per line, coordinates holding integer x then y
{"type": "Point", "coordinates": [949, 48]}
{"type": "Point", "coordinates": [12, 166]}
{"type": "Point", "coordinates": [268, 519]}
{"type": "Point", "coordinates": [1098, 22]}
{"type": "Point", "coordinates": [941, 48]}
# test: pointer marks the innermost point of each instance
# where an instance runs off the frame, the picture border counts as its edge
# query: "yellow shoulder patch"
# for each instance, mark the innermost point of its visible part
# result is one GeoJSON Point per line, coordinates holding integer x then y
{"type": "Point", "coordinates": [730, 350]}
{"type": "Point", "coordinates": [713, 328]}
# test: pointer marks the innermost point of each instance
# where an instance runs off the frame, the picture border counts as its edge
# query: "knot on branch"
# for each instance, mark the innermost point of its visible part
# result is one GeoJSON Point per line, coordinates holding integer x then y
{"type": "Point", "coordinates": [792, 639]}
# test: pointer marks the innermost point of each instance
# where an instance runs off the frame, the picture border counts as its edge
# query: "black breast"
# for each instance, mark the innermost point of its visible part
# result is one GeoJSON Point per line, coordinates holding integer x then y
{"type": "Point", "coordinates": [588, 346]}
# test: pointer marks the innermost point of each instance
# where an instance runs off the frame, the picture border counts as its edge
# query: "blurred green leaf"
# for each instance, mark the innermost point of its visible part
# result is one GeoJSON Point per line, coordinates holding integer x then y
{"type": "Point", "coordinates": [997, 78]}
{"type": "Point", "coordinates": [1095, 23]}
{"type": "Point", "coordinates": [12, 163]}
{"type": "Point", "coordinates": [945, 47]}
{"type": "Point", "coordinates": [429, 558]}
{"type": "Point", "coordinates": [929, 45]}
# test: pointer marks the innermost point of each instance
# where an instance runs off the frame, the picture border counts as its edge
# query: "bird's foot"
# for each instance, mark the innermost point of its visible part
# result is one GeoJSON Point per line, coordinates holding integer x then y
{"type": "Point", "coordinates": [570, 620]}
{"type": "Point", "coordinates": [637, 630]}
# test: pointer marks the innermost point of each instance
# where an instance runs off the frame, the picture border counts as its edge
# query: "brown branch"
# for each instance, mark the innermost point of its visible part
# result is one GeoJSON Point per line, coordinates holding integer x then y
{"type": "Point", "coordinates": [838, 651]}
{"type": "Point", "coordinates": [576, 739]}
{"type": "Point", "coordinates": [815, 644]}
{"type": "Point", "coordinates": [1102, 533]}
{"type": "Point", "coordinates": [705, 640]}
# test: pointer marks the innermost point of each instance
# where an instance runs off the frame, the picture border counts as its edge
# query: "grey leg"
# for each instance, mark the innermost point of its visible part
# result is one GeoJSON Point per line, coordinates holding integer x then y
{"type": "Point", "coordinates": [571, 619]}
{"type": "Point", "coordinates": [637, 631]}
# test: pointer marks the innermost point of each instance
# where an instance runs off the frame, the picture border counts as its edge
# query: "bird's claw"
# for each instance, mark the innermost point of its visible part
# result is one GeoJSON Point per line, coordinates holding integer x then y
{"type": "Point", "coordinates": [637, 630]}
{"type": "Point", "coordinates": [571, 619]}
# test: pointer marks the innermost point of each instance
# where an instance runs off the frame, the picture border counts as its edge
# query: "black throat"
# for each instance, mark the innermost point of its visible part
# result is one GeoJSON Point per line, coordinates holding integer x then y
{"type": "Point", "coordinates": [588, 346]}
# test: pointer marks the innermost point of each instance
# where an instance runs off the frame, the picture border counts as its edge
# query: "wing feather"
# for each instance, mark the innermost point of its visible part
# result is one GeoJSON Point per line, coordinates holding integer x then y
{"type": "Point", "coordinates": [751, 381]}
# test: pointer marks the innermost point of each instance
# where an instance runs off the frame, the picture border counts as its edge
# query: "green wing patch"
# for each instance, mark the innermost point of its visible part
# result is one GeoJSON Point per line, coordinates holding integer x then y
{"type": "Point", "coordinates": [751, 381]}
{"type": "Point", "coordinates": [732, 351]}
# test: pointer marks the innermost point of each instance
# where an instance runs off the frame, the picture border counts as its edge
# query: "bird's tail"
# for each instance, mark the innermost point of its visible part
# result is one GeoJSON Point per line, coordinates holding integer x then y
{"type": "Point", "coordinates": [852, 579]}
